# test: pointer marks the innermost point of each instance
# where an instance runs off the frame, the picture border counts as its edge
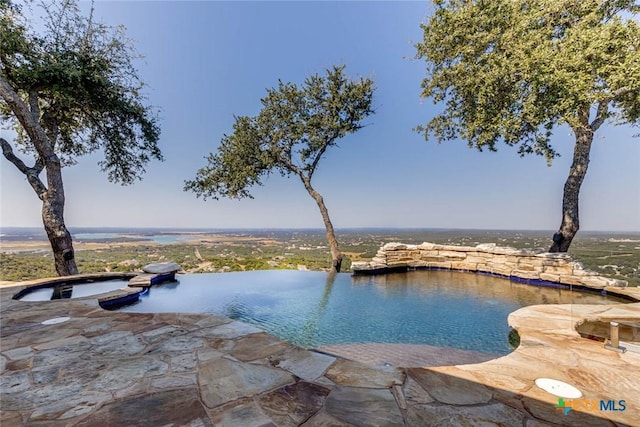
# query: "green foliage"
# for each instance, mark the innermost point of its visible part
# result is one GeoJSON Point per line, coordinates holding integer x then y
{"type": "Point", "coordinates": [79, 80]}
{"type": "Point", "coordinates": [18, 267]}
{"type": "Point", "coordinates": [514, 339]}
{"type": "Point", "coordinates": [511, 70]}
{"type": "Point", "coordinates": [294, 128]}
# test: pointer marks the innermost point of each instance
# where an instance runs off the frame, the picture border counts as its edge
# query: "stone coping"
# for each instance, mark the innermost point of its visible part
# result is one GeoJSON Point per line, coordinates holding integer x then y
{"type": "Point", "coordinates": [112, 369]}
{"type": "Point", "coordinates": [515, 264]}
{"type": "Point", "coordinates": [105, 298]}
{"type": "Point", "coordinates": [76, 278]}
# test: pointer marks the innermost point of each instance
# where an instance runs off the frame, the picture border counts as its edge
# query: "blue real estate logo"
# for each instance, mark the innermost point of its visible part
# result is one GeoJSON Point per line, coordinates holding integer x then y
{"type": "Point", "coordinates": [589, 405]}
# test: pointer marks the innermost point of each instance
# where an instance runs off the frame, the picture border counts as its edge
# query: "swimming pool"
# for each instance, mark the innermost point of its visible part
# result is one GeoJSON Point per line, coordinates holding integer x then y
{"type": "Point", "coordinates": [440, 308]}
{"type": "Point", "coordinates": [75, 290]}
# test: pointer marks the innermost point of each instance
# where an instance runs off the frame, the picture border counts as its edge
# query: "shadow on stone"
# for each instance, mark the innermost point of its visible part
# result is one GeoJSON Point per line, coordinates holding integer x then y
{"type": "Point", "coordinates": [177, 407]}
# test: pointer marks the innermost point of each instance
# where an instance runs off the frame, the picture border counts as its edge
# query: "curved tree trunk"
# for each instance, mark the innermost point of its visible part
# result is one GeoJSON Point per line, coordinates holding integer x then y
{"type": "Point", "coordinates": [336, 255]}
{"type": "Point", "coordinates": [570, 218]}
{"type": "Point", "coordinates": [52, 195]}
{"type": "Point", "coordinates": [53, 220]}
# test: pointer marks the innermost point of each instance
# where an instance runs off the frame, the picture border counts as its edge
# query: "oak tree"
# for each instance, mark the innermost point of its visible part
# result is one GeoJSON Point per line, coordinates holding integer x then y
{"type": "Point", "coordinates": [291, 133]}
{"type": "Point", "coordinates": [513, 70]}
{"type": "Point", "coordinates": [69, 89]}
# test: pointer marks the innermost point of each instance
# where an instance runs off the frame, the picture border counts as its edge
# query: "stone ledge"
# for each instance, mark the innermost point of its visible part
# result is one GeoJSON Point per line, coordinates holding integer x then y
{"type": "Point", "coordinates": [138, 284]}
{"type": "Point", "coordinates": [76, 278]}
{"type": "Point", "coordinates": [23, 288]}
{"type": "Point", "coordinates": [557, 269]}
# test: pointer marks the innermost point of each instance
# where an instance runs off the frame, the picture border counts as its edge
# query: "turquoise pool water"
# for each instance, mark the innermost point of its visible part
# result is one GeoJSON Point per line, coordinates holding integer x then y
{"type": "Point", "coordinates": [440, 308]}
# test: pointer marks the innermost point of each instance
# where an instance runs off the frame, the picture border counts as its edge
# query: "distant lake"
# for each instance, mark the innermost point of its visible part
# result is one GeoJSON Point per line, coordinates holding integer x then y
{"type": "Point", "coordinates": [97, 236]}
{"type": "Point", "coordinates": [176, 234]}
{"type": "Point", "coordinates": [103, 234]}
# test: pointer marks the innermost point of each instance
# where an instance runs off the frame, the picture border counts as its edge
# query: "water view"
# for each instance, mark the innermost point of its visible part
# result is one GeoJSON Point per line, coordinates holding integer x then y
{"type": "Point", "coordinates": [441, 308]}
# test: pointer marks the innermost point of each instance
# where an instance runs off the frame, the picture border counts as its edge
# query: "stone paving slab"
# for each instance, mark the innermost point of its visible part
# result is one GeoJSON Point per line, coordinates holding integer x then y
{"type": "Point", "coordinates": [103, 368]}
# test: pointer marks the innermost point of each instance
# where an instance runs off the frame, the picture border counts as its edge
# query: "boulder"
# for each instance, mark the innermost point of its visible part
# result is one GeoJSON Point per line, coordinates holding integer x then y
{"type": "Point", "coordinates": [161, 268]}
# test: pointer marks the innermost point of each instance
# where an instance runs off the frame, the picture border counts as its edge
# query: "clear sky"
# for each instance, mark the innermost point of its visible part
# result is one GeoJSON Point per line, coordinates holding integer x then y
{"type": "Point", "coordinates": [206, 61]}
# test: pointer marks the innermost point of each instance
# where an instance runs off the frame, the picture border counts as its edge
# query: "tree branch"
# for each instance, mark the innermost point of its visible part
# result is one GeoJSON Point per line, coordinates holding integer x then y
{"type": "Point", "coordinates": [320, 153]}
{"type": "Point", "coordinates": [603, 107]}
{"type": "Point", "coordinates": [33, 105]}
{"type": "Point", "coordinates": [620, 92]}
{"type": "Point", "coordinates": [32, 127]}
{"type": "Point", "coordinates": [50, 126]}
{"type": "Point", "coordinates": [7, 151]}
{"type": "Point", "coordinates": [290, 166]}
{"type": "Point", "coordinates": [38, 166]}
{"type": "Point", "coordinates": [601, 116]}
{"type": "Point", "coordinates": [30, 173]}
{"type": "Point", "coordinates": [314, 164]}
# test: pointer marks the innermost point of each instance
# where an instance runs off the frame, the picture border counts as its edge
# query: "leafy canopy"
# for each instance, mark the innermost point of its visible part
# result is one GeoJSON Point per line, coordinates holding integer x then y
{"type": "Point", "coordinates": [510, 70]}
{"type": "Point", "coordinates": [291, 133]}
{"type": "Point", "coordinates": [79, 78]}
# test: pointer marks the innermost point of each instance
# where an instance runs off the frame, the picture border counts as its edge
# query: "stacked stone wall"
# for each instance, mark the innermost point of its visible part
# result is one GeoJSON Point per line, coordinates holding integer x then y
{"type": "Point", "coordinates": [486, 258]}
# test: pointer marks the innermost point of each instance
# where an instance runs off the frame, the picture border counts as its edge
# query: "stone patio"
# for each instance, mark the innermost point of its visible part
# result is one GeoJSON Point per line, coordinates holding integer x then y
{"type": "Point", "coordinates": [121, 369]}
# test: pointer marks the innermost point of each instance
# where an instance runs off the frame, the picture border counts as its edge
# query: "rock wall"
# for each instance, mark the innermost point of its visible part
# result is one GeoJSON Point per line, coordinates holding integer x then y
{"type": "Point", "coordinates": [516, 264]}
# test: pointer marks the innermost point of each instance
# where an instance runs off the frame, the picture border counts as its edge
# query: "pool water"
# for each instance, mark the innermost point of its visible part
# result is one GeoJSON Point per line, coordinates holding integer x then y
{"type": "Point", "coordinates": [439, 308]}
{"type": "Point", "coordinates": [78, 290]}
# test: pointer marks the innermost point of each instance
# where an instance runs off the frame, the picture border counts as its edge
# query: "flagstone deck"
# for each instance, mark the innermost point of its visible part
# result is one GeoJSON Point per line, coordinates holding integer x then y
{"type": "Point", "coordinates": [122, 369]}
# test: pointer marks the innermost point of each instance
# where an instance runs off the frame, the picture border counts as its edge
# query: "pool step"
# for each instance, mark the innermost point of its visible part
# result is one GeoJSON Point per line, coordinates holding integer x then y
{"type": "Point", "coordinates": [155, 273]}
{"type": "Point", "coordinates": [145, 280]}
{"type": "Point", "coordinates": [142, 280]}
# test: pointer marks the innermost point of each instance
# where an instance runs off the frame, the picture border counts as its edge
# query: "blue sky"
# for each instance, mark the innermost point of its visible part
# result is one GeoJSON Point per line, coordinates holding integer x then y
{"type": "Point", "coordinates": [206, 61]}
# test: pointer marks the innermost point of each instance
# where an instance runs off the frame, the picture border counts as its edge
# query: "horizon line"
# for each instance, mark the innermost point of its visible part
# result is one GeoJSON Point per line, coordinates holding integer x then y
{"type": "Point", "coordinates": [417, 228]}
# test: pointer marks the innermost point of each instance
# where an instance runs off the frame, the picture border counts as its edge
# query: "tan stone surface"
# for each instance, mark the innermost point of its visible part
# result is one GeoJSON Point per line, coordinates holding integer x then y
{"type": "Point", "coordinates": [466, 266]}
{"type": "Point", "coordinates": [70, 408]}
{"type": "Point", "coordinates": [323, 419]}
{"type": "Point", "coordinates": [291, 405]}
{"type": "Point", "coordinates": [178, 407]}
{"type": "Point", "coordinates": [307, 365]}
{"type": "Point", "coordinates": [243, 412]}
{"type": "Point", "coordinates": [495, 414]}
{"type": "Point", "coordinates": [257, 346]}
{"type": "Point", "coordinates": [414, 394]}
{"type": "Point", "coordinates": [551, 349]}
{"type": "Point", "coordinates": [363, 406]}
{"type": "Point", "coordinates": [348, 373]}
{"type": "Point", "coordinates": [8, 284]}
{"type": "Point", "coordinates": [447, 388]}
{"type": "Point", "coordinates": [223, 380]}
{"type": "Point", "coordinates": [10, 418]}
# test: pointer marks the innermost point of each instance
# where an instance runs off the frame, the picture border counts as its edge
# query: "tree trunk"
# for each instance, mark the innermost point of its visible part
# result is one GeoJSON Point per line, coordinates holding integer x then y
{"type": "Point", "coordinates": [53, 220]}
{"type": "Point", "coordinates": [336, 255]}
{"type": "Point", "coordinates": [52, 195]}
{"type": "Point", "coordinates": [570, 219]}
